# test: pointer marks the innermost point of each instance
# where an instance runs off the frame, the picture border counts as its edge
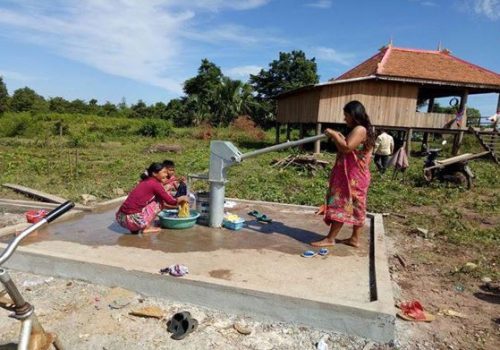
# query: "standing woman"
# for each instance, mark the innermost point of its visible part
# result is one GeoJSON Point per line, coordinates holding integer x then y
{"type": "Point", "coordinates": [350, 176]}
{"type": "Point", "coordinates": [146, 200]}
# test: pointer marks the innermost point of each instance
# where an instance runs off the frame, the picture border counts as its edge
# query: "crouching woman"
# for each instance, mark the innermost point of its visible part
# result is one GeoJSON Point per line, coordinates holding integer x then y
{"type": "Point", "coordinates": [146, 200]}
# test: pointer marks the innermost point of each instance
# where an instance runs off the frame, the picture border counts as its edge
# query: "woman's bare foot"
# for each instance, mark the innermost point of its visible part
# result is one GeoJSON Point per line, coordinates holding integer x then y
{"type": "Point", "coordinates": [353, 242]}
{"type": "Point", "coordinates": [325, 242]}
{"type": "Point", "coordinates": [151, 229]}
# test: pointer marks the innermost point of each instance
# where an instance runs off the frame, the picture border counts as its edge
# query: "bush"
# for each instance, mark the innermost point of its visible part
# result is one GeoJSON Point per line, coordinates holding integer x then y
{"type": "Point", "coordinates": [155, 128]}
{"type": "Point", "coordinates": [12, 125]}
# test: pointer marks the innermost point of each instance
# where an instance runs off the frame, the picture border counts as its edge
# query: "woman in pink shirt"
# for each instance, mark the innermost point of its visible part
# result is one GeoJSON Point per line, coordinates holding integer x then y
{"type": "Point", "coordinates": [146, 200]}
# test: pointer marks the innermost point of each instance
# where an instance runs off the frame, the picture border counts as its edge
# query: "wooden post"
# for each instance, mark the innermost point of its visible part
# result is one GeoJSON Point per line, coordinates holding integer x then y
{"type": "Point", "coordinates": [288, 131]}
{"type": "Point", "coordinates": [302, 132]}
{"type": "Point", "coordinates": [277, 133]}
{"type": "Point", "coordinates": [409, 133]}
{"type": "Point", "coordinates": [317, 144]}
{"type": "Point", "coordinates": [457, 140]}
{"type": "Point", "coordinates": [498, 114]}
{"type": "Point", "coordinates": [425, 138]}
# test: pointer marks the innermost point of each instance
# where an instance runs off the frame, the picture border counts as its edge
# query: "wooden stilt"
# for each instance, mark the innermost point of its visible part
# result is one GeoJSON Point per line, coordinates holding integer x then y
{"type": "Point", "coordinates": [457, 140]}
{"type": "Point", "coordinates": [277, 133]}
{"type": "Point", "coordinates": [317, 144]}
{"type": "Point", "coordinates": [409, 134]}
{"type": "Point", "coordinates": [288, 131]}
{"type": "Point", "coordinates": [425, 138]}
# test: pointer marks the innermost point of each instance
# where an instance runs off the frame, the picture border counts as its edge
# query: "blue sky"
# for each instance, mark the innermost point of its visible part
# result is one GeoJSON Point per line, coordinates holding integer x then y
{"type": "Point", "coordinates": [136, 49]}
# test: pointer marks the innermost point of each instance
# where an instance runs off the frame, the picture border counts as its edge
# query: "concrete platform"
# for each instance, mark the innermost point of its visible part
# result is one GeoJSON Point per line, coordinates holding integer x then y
{"type": "Point", "coordinates": [257, 270]}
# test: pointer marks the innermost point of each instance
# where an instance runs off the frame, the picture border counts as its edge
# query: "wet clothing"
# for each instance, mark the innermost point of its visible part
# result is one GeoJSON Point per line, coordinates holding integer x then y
{"type": "Point", "coordinates": [349, 182]}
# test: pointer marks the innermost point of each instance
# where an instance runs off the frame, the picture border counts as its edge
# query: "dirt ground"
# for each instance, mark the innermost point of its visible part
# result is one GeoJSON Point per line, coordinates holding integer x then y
{"type": "Point", "coordinates": [467, 309]}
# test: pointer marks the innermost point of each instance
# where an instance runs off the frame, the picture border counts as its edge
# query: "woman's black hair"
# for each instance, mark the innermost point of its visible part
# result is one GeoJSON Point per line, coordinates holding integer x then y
{"type": "Point", "coordinates": [167, 163]}
{"type": "Point", "coordinates": [153, 168]}
{"type": "Point", "coordinates": [357, 111]}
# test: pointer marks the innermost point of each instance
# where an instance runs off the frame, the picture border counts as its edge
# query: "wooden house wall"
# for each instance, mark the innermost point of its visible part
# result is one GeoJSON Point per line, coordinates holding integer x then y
{"type": "Point", "coordinates": [299, 108]}
{"type": "Point", "coordinates": [387, 103]}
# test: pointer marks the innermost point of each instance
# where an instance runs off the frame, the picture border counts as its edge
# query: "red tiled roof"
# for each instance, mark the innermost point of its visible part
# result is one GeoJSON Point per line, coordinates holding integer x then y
{"type": "Point", "coordinates": [422, 65]}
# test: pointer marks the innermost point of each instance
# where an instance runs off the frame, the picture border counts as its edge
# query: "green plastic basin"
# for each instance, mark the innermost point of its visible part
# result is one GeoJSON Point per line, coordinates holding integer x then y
{"type": "Point", "coordinates": [169, 219]}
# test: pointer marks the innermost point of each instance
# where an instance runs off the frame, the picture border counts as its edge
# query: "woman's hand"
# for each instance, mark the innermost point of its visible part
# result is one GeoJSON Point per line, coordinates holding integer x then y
{"type": "Point", "coordinates": [182, 199]}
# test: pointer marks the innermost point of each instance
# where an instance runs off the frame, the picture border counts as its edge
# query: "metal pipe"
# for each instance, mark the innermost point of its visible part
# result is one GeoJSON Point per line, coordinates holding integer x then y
{"type": "Point", "coordinates": [282, 146]}
{"type": "Point", "coordinates": [11, 288]}
{"type": "Point", "coordinates": [24, 339]}
{"type": "Point", "coordinates": [216, 203]}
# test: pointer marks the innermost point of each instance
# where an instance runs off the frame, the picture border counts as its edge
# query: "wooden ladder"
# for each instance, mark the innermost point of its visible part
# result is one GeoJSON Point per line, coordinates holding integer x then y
{"type": "Point", "coordinates": [490, 141]}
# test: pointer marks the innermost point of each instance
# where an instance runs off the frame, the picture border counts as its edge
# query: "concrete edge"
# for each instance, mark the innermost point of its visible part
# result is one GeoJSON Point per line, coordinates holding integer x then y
{"type": "Point", "coordinates": [380, 267]}
{"type": "Point", "coordinates": [351, 320]}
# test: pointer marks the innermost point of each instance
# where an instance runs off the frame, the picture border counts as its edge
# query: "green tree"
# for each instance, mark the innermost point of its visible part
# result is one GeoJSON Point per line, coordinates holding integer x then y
{"type": "Point", "coordinates": [176, 111]}
{"type": "Point", "coordinates": [141, 110]}
{"type": "Point", "coordinates": [93, 107]}
{"type": "Point", "coordinates": [27, 100]}
{"type": "Point", "coordinates": [58, 105]}
{"type": "Point", "coordinates": [208, 79]}
{"type": "Point", "coordinates": [231, 99]}
{"type": "Point", "coordinates": [290, 71]}
{"type": "Point", "coordinates": [4, 97]}
{"type": "Point", "coordinates": [108, 109]}
{"type": "Point", "coordinates": [160, 110]}
{"type": "Point", "coordinates": [78, 106]}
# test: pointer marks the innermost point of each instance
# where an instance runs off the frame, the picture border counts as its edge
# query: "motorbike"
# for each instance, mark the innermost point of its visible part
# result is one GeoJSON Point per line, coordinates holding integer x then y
{"type": "Point", "coordinates": [454, 170]}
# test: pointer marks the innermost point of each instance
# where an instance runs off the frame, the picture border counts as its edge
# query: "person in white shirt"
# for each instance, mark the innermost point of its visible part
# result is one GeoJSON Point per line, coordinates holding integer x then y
{"type": "Point", "coordinates": [384, 147]}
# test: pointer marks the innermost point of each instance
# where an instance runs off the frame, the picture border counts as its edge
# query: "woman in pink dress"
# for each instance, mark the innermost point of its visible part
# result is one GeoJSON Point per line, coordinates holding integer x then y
{"type": "Point", "coordinates": [350, 176]}
{"type": "Point", "coordinates": [146, 200]}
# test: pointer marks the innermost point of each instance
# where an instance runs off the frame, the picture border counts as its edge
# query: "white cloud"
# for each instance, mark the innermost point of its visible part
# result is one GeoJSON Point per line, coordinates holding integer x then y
{"type": "Point", "coordinates": [329, 54]}
{"type": "Point", "coordinates": [234, 34]}
{"type": "Point", "coordinates": [488, 8]}
{"type": "Point", "coordinates": [18, 76]}
{"type": "Point", "coordinates": [140, 40]}
{"type": "Point", "coordinates": [322, 4]}
{"type": "Point", "coordinates": [215, 5]}
{"type": "Point", "coordinates": [425, 3]}
{"type": "Point", "coordinates": [242, 72]}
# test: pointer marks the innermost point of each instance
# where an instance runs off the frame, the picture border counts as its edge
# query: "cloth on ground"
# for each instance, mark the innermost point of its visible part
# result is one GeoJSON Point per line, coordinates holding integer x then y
{"type": "Point", "coordinates": [176, 270]}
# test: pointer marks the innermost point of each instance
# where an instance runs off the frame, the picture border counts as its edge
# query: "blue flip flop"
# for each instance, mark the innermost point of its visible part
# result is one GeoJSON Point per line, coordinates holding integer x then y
{"type": "Point", "coordinates": [264, 218]}
{"type": "Point", "coordinates": [308, 254]}
{"type": "Point", "coordinates": [254, 213]}
{"type": "Point", "coordinates": [323, 251]}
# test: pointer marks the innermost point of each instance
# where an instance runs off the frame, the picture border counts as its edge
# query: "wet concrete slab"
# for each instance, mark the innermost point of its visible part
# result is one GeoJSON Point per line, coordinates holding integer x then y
{"type": "Point", "coordinates": [260, 258]}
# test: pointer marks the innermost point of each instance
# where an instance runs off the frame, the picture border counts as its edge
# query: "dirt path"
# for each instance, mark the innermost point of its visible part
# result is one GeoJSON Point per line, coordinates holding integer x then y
{"type": "Point", "coordinates": [467, 309]}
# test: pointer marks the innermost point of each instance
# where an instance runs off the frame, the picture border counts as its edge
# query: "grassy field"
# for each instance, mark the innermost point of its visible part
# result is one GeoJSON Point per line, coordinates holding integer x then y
{"type": "Point", "coordinates": [99, 155]}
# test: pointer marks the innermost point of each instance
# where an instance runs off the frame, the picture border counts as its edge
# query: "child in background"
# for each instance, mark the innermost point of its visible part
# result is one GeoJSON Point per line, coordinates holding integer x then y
{"type": "Point", "coordinates": [172, 183]}
{"type": "Point", "coordinates": [146, 200]}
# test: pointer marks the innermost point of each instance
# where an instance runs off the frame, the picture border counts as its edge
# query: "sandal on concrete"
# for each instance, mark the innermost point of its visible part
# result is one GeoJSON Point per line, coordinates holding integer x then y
{"type": "Point", "coordinates": [187, 326]}
{"type": "Point", "coordinates": [255, 213]}
{"type": "Point", "coordinates": [264, 218]}
{"type": "Point", "coordinates": [174, 323]}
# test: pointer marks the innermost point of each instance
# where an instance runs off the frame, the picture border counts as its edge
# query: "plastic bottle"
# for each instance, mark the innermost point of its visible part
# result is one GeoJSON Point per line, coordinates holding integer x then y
{"type": "Point", "coordinates": [192, 200]}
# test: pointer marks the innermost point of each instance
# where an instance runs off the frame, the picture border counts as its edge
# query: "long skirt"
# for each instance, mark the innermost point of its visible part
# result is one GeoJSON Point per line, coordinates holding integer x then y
{"type": "Point", "coordinates": [348, 188]}
{"type": "Point", "coordinates": [139, 221]}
